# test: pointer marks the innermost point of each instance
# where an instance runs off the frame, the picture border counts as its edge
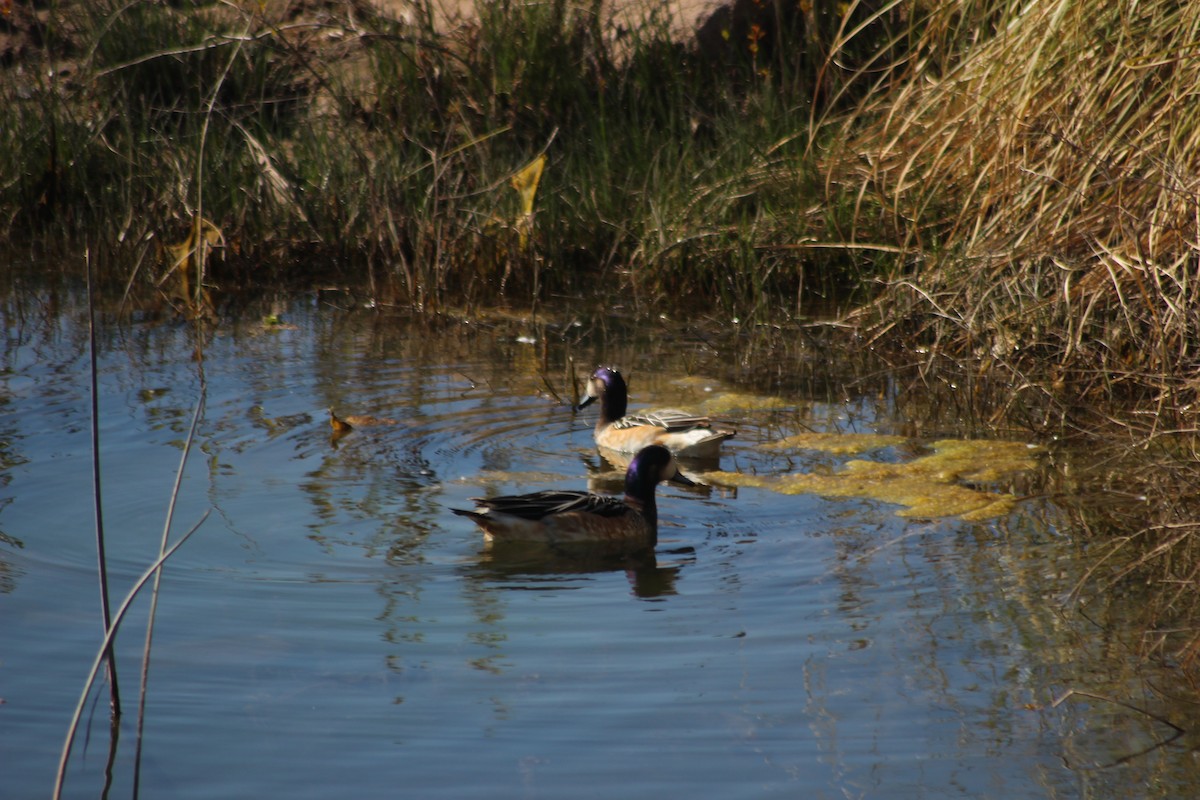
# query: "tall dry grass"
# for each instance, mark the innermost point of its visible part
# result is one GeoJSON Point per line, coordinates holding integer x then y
{"type": "Point", "coordinates": [1039, 164]}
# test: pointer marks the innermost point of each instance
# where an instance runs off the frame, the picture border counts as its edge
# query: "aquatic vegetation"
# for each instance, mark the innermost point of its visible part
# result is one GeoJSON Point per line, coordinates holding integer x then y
{"type": "Point", "coordinates": [726, 402]}
{"type": "Point", "coordinates": [934, 485]}
{"type": "Point", "coordinates": [836, 443]}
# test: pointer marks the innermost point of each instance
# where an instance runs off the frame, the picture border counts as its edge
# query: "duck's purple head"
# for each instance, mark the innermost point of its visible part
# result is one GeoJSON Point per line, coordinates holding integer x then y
{"type": "Point", "coordinates": [651, 466]}
{"type": "Point", "coordinates": [607, 386]}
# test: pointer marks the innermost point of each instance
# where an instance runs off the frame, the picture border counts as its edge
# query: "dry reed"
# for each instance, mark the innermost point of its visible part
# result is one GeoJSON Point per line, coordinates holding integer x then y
{"type": "Point", "coordinates": [1044, 180]}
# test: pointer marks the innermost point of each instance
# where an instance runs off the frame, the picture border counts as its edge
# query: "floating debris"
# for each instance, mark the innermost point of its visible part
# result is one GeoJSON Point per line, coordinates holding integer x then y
{"type": "Point", "coordinates": [274, 322]}
{"type": "Point", "coordinates": [344, 425]}
{"type": "Point", "coordinates": [340, 426]}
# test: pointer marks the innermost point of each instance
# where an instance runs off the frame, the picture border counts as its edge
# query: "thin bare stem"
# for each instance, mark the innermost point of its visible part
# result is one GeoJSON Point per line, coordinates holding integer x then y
{"type": "Point", "coordinates": [101, 558]}
{"type": "Point", "coordinates": [202, 239]}
{"type": "Point", "coordinates": [105, 645]}
{"type": "Point", "coordinates": [162, 549]}
{"type": "Point", "coordinates": [1176, 731]}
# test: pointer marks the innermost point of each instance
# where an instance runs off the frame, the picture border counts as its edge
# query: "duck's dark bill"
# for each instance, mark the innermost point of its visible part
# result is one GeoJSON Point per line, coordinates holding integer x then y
{"type": "Point", "coordinates": [683, 480]}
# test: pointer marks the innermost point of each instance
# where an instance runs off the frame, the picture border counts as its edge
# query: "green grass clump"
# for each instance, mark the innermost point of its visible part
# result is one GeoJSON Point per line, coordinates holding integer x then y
{"type": "Point", "coordinates": [305, 137]}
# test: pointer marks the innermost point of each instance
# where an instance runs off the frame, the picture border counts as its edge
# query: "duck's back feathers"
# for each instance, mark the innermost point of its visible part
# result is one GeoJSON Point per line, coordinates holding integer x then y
{"type": "Point", "coordinates": [684, 434]}
{"type": "Point", "coordinates": [669, 419]}
{"type": "Point", "coordinates": [539, 505]}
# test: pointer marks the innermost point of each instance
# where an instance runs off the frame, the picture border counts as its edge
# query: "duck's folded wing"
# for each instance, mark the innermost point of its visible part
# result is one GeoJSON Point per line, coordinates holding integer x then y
{"type": "Point", "coordinates": [668, 419]}
{"type": "Point", "coordinates": [539, 505]}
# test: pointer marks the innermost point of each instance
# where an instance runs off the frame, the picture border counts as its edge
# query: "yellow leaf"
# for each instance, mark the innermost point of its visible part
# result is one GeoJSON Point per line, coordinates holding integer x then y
{"type": "Point", "coordinates": [526, 183]}
{"type": "Point", "coordinates": [201, 228]}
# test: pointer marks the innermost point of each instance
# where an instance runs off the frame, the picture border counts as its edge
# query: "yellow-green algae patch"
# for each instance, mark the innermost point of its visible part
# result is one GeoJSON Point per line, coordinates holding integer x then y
{"type": "Point", "coordinates": [926, 487]}
{"type": "Point", "coordinates": [737, 401]}
{"type": "Point", "coordinates": [842, 444]}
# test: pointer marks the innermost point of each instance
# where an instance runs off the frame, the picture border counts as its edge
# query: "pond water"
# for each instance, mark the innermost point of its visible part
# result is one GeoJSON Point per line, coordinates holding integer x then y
{"type": "Point", "coordinates": [331, 629]}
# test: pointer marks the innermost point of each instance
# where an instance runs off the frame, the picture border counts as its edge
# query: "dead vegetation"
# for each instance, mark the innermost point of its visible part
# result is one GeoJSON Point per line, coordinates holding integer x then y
{"type": "Point", "coordinates": [1044, 181]}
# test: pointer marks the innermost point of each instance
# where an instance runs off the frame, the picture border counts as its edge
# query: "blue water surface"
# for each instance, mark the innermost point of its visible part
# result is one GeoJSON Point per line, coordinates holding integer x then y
{"type": "Point", "coordinates": [331, 629]}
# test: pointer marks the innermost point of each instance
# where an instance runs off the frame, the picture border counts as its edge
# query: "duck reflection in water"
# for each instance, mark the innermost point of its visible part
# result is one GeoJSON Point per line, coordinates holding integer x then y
{"type": "Point", "coordinates": [540, 566]}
